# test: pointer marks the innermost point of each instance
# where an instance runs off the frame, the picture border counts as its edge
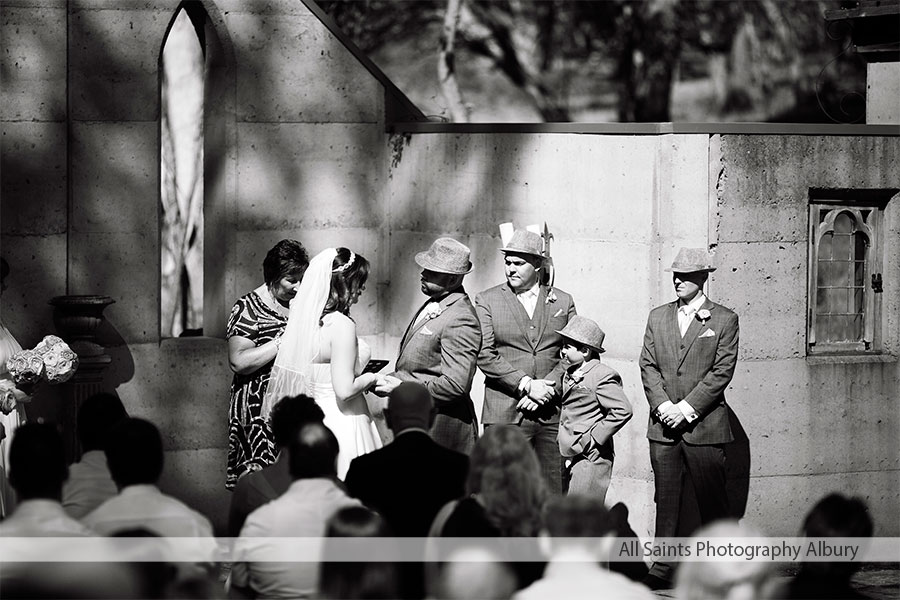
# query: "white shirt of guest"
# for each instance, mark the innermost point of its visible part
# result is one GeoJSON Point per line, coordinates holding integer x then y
{"type": "Point", "coordinates": [41, 518]}
{"type": "Point", "coordinates": [687, 311]}
{"type": "Point", "coordinates": [301, 511]}
{"type": "Point", "coordinates": [582, 581]}
{"type": "Point", "coordinates": [89, 485]}
{"type": "Point", "coordinates": [145, 506]}
{"type": "Point", "coordinates": [528, 299]}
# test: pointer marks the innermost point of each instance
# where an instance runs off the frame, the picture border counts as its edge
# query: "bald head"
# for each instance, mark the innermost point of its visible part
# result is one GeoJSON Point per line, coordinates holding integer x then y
{"type": "Point", "coordinates": [313, 452]}
{"type": "Point", "coordinates": [409, 406]}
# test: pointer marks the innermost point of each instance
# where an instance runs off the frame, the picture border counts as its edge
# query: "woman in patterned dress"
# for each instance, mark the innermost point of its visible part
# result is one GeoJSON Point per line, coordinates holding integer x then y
{"type": "Point", "coordinates": [254, 335]}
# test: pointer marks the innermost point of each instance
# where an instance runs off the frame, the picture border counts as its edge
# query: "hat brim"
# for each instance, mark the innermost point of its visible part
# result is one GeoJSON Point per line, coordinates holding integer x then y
{"type": "Point", "coordinates": [574, 339]}
{"type": "Point", "coordinates": [689, 269]}
{"type": "Point", "coordinates": [423, 261]}
{"type": "Point", "coordinates": [519, 251]}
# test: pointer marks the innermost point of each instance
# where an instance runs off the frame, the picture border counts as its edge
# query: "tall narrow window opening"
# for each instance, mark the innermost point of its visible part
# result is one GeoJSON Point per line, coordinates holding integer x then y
{"type": "Point", "coordinates": [181, 185]}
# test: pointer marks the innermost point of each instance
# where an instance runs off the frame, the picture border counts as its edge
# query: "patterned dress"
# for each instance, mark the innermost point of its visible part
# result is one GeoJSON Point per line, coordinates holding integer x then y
{"type": "Point", "coordinates": [250, 445]}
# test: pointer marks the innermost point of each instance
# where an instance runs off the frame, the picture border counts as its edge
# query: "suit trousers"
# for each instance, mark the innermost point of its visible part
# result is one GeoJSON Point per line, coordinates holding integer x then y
{"type": "Point", "coordinates": [672, 463]}
{"type": "Point", "coordinates": [542, 437]}
{"type": "Point", "coordinates": [588, 478]}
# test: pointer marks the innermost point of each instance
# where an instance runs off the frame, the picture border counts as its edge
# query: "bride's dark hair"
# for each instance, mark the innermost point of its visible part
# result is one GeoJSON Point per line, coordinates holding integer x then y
{"type": "Point", "coordinates": [349, 273]}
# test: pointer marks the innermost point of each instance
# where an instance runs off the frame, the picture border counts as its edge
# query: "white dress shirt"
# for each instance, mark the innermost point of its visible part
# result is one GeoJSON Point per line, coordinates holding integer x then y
{"type": "Point", "coordinates": [301, 511]}
{"type": "Point", "coordinates": [41, 518]}
{"type": "Point", "coordinates": [528, 299]}
{"type": "Point", "coordinates": [89, 485]}
{"type": "Point", "coordinates": [687, 311]}
{"type": "Point", "coordinates": [582, 580]}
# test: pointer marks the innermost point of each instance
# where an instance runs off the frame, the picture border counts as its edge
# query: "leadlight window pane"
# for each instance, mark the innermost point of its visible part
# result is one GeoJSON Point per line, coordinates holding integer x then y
{"type": "Point", "coordinates": [840, 282]}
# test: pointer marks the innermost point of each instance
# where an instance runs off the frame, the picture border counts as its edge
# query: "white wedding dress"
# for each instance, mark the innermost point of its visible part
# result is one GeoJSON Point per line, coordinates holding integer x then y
{"type": "Point", "coordinates": [350, 421]}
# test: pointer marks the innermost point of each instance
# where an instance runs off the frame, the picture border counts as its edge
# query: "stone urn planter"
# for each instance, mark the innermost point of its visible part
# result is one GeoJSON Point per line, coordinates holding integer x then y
{"type": "Point", "coordinates": [77, 319]}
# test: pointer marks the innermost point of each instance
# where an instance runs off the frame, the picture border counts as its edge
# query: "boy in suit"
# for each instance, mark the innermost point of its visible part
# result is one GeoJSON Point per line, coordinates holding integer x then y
{"type": "Point", "coordinates": [594, 407]}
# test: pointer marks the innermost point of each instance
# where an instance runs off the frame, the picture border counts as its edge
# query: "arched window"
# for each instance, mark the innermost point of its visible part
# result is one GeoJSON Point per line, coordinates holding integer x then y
{"type": "Point", "coordinates": [181, 177]}
{"type": "Point", "coordinates": [844, 277]}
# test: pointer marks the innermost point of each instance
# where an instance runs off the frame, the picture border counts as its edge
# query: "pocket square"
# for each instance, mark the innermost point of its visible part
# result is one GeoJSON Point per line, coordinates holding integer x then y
{"type": "Point", "coordinates": [707, 333]}
{"type": "Point", "coordinates": [558, 313]}
{"type": "Point", "coordinates": [426, 331]}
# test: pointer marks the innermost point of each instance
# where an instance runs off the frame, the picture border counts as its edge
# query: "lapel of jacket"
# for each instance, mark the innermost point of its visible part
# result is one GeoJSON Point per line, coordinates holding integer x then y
{"type": "Point", "coordinates": [541, 314]}
{"type": "Point", "coordinates": [694, 330]}
{"type": "Point", "coordinates": [517, 311]}
{"type": "Point", "coordinates": [410, 327]}
{"type": "Point", "coordinates": [445, 302]}
{"type": "Point", "coordinates": [585, 368]}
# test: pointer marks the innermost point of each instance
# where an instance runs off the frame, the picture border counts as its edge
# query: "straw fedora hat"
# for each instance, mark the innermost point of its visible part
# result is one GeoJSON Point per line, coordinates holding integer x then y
{"type": "Point", "coordinates": [525, 242]}
{"type": "Point", "coordinates": [584, 331]}
{"type": "Point", "coordinates": [446, 255]}
{"type": "Point", "coordinates": [692, 260]}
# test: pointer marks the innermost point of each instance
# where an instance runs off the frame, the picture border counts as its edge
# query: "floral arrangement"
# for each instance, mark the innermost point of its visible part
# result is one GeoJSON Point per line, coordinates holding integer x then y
{"type": "Point", "coordinates": [51, 360]}
{"type": "Point", "coordinates": [433, 310]}
{"type": "Point", "coordinates": [703, 315]}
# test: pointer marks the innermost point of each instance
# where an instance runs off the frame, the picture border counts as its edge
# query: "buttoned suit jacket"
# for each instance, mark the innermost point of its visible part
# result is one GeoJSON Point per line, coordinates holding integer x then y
{"type": "Point", "coordinates": [441, 353]}
{"type": "Point", "coordinates": [593, 408]}
{"type": "Point", "coordinates": [696, 368]}
{"type": "Point", "coordinates": [514, 345]}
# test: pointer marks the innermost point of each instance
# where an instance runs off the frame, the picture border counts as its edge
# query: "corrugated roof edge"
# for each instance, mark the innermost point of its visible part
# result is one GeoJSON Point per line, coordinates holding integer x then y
{"type": "Point", "coordinates": [397, 106]}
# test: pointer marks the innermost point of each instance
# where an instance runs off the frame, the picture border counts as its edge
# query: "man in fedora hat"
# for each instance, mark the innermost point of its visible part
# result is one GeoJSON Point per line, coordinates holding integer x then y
{"type": "Point", "coordinates": [689, 356]}
{"type": "Point", "coordinates": [594, 407]}
{"type": "Point", "coordinates": [441, 344]}
{"type": "Point", "coordinates": [520, 347]}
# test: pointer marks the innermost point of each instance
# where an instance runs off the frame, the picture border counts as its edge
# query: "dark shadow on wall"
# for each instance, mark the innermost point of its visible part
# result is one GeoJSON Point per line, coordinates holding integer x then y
{"type": "Point", "coordinates": [737, 467]}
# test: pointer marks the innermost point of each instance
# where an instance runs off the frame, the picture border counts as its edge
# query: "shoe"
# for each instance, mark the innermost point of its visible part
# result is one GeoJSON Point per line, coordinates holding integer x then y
{"type": "Point", "coordinates": [655, 582]}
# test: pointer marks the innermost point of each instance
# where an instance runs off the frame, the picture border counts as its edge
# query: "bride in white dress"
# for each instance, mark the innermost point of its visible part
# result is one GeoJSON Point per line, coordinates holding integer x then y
{"type": "Point", "coordinates": [320, 355]}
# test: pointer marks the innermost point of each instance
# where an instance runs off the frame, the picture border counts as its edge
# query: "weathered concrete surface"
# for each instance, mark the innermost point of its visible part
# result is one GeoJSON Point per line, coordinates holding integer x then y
{"type": "Point", "coordinates": [882, 91]}
{"type": "Point", "coordinates": [33, 61]}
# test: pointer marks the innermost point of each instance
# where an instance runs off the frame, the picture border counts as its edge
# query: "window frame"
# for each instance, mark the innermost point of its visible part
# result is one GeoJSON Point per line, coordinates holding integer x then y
{"type": "Point", "coordinates": [830, 204]}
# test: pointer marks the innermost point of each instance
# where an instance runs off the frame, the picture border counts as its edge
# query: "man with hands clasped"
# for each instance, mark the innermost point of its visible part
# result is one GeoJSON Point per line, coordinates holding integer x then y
{"type": "Point", "coordinates": [520, 320]}
{"type": "Point", "coordinates": [688, 359]}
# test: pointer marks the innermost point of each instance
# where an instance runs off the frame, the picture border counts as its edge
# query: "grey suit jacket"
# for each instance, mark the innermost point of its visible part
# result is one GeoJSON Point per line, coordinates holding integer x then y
{"type": "Point", "coordinates": [514, 346]}
{"type": "Point", "coordinates": [441, 353]}
{"type": "Point", "coordinates": [593, 408]}
{"type": "Point", "coordinates": [696, 368]}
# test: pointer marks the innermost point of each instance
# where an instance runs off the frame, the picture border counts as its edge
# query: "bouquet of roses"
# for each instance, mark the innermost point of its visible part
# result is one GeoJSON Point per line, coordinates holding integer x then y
{"type": "Point", "coordinates": [51, 360]}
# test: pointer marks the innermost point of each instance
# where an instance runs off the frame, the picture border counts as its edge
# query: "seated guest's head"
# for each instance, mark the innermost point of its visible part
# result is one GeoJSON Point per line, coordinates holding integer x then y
{"type": "Point", "coordinates": [37, 462]}
{"type": "Point", "coordinates": [291, 413]}
{"type": "Point", "coordinates": [836, 515]}
{"type": "Point", "coordinates": [473, 572]}
{"type": "Point", "coordinates": [134, 453]}
{"type": "Point", "coordinates": [96, 417]}
{"type": "Point", "coordinates": [313, 452]}
{"type": "Point", "coordinates": [577, 523]}
{"type": "Point", "coordinates": [740, 579]}
{"type": "Point", "coordinates": [505, 474]}
{"type": "Point", "coordinates": [409, 406]}
{"type": "Point", "coordinates": [351, 580]}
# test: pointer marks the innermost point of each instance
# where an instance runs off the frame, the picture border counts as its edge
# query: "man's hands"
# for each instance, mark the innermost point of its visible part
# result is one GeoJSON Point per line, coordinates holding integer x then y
{"type": "Point", "coordinates": [386, 384]}
{"type": "Point", "coordinates": [670, 415]}
{"type": "Point", "coordinates": [537, 393]}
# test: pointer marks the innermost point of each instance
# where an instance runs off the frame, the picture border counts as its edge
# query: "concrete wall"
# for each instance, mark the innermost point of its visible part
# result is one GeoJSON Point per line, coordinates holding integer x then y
{"type": "Point", "coordinates": [298, 149]}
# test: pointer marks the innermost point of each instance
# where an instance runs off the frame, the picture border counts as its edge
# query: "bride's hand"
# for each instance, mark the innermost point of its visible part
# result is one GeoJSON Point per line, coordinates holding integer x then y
{"type": "Point", "coordinates": [386, 385]}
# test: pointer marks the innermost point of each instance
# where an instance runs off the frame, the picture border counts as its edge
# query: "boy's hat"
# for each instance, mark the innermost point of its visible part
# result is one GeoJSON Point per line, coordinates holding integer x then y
{"type": "Point", "coordinates": [584, 331]}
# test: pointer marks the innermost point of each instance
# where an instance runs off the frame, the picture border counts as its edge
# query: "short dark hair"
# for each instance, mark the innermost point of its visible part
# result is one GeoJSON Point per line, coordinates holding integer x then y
{"type": "Point", "coordinates": [577, 516]}
{"type": "Point", "coordinates": [313, 452]}
{"type": "Point", "coordinates": [371, 579]}
{"type": "Point", "coordinates": [836, 515]}
{"type": "Point", "coordinates": [134, 452]}
{"type": "Point", "coordinates": [96, 417]}
{"type": "Point", "coordinates": [287, 257]}
{"type": "Point", "coordinates": [345, 283]}
{"type": "Point", "coordinates": [37, 461]}
{"type": "Point", "coordinates": [290, 414]}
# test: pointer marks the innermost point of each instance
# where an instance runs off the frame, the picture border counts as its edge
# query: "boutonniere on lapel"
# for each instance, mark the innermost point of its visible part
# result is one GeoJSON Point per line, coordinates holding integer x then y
{"type": "Point", "coordinates": [576, 376]}
{"type": "Point", "coordinates": [433, 310]}
{"type": "Point", "coordinates": [551, 297]}
{"type": "Point", "coordinates": [703, 315]}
